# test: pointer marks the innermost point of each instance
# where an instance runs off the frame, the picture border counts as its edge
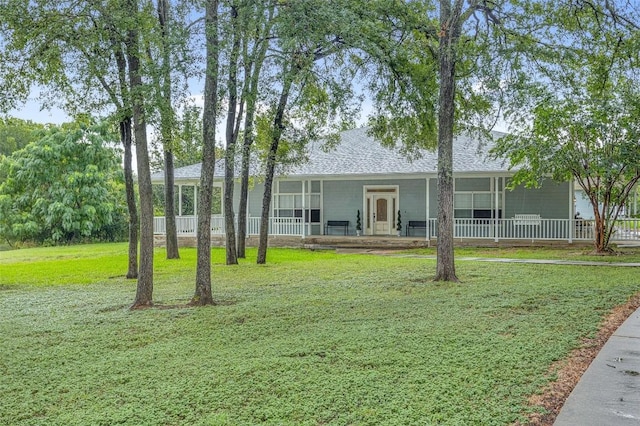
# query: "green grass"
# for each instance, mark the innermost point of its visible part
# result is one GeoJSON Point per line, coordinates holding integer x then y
{"type": "Point", "coordinates": [627, 255]}
{"type": "Point", "coordinates": [311, 338]}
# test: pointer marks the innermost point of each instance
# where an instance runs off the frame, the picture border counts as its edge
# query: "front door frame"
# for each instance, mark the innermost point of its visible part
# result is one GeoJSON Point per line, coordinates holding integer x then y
{"type": "Point", "coordinates": [392, 193]}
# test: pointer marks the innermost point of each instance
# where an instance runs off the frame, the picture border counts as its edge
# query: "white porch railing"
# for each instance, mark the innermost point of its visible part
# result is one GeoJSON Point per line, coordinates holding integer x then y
{"type": "Point", "coordinates": [500, 229]}
{"type": "Point", "coordinates": [626, 230]}
{"type": "Point", "coordinates": [285, 226]}
{"type": "Point", "coordinates": [253, 226]}
{"type": "Point", "coordinates": [541, 229]}
{"type": "Point", "coordinates": [188, 225]}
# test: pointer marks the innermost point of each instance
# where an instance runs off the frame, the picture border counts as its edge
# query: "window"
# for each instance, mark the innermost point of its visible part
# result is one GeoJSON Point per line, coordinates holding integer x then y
{"type": "Point", "coordinates": [289, 204]}
{"type": "Point", "coordinates": [475, 205]}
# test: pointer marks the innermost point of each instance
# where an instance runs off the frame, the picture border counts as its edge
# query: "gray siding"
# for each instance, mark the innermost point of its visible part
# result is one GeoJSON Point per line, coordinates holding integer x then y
{"type": "Point", "coordinates": [413, 200]}
{"type": "Point", "coordinates": [255, 198]}
{"type": "Point", "coordinates": [290, 187]}
{"type": "Point", "coordinates": [433, 198]}
{"type": "Point", "coordinates": [550, 201]}
{"type": "Point", "coordinates": [473, 184]}
{"type": "Point", "coordinates": [342, 199]}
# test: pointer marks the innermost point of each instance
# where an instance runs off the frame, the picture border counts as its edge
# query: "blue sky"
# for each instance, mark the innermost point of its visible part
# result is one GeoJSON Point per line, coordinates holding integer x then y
{"type": "Point", "coordinates": [31, 111]}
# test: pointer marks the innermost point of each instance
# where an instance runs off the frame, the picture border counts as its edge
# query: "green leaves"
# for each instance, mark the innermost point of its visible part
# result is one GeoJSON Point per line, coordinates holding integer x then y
{"type": "Point", "coordinates": [62, 188]}
{"type": "Point", "coordinates": [15, 134]}
{"type": "Point", "coordinates": [585, 118]}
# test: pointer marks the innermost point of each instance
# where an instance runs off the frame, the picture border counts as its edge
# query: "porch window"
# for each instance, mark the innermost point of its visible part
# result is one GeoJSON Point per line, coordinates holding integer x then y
{"type": "Point", "coordinates": [186, 200]}
{"type": "Point", "coordinates": [289, 204]}
{"type": "Point", "coordinates": [475, 205]}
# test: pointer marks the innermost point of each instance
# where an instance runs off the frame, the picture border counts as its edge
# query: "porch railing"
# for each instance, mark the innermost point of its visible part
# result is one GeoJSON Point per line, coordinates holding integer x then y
{"type": "Point", "coordinates": [188, 225]}
{"type": "Point", "coordinates": [627, 230]}
{"type": "Point", "coordinates": [500, 229]}
{"type": "Point", "coordinates": [541, 229]}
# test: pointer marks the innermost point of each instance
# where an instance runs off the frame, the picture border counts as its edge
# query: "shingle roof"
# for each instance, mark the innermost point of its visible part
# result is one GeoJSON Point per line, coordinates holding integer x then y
{"type": "Point", "coordinates": [358, 153]}
{"type": "Point", "coordinates": [192, 172]}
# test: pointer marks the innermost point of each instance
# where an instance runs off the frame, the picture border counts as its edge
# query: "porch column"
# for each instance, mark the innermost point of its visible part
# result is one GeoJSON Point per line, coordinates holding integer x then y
{"type": "Point", "coordinates": [571, 211]}
{"type": "Point", "coordinates": [427, 232]}
{"type": "Point", "coordinates": [496, 190]}
{"type": "Point", "coordinates": [321, 207]}
{"type": "Point", "coordinates": [179, 200]}
{"type": "Point", "coordinates": [304, 183]}
{"type": "Point", "coordinates": [195, 205]}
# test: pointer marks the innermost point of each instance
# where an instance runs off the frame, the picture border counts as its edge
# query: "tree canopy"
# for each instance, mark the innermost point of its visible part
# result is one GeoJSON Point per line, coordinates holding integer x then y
{"type": "Point", "coordinates": [16, 134]}
{"type": "Point", "coordinates": [67, 186]}
{"type": "Point", "coordinates": [583, 115]}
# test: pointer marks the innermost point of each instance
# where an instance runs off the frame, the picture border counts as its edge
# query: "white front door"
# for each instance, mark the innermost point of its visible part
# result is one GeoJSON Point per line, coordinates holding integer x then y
{"type": "Point", "coordinates": [382, 213]}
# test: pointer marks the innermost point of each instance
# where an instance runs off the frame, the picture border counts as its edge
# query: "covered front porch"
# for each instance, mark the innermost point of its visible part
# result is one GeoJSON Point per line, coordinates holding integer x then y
{"type": "Point", "coordinates": [528, 228]}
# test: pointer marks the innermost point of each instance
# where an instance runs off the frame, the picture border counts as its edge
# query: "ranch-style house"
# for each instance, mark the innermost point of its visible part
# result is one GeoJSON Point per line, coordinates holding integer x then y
{"type": "Point", "coordinates": [360, 177]}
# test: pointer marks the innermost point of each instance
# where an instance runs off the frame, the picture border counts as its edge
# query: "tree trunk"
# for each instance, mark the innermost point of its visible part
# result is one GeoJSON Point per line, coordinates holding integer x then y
{"type": "Point", "coordinates": [203, 295]}
{"type": "Point", "coordinates": [602, 231]}
{"type": "Point", "coordinates": [251, 95]}
{"type": "Point", "coordinates": [167, 124]}
{"type": "Point", "coordinates": [144, 291]}
{"type": "Point", "coordinates": [126, 138]}
{"type": "Point", "coordinates": [445, 265]}
{"type": "Point", "coordinates": [278, 127]}
{"type": "Point", "coordinates": [171, 230]}
{"type": "Point", "coordinates": [127, 141]}
{"type": "Point", "coordinates": [229, 220]}
{"type": "Point", "coordinates": [231, 137]}
{"type": "Point", "coordinates": [244, 194]}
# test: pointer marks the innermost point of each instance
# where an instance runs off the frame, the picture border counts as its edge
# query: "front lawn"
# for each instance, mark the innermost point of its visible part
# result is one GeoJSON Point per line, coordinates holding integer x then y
{"type": "Point", "coordinates": [310, 338]}
{"type": "Point", "coordinates": [579, 253]}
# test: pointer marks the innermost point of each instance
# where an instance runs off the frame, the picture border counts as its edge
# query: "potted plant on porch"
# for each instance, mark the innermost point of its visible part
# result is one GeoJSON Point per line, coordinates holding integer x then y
{"type": "Point", "coordinates": [399, 224]}
{"type": "Point", "coordinates": [358, 224]}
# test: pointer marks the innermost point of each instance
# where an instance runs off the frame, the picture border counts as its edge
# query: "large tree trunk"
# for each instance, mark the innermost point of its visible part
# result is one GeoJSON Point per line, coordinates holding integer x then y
{"type": "Point", "coordinates": [144, 291]}
{"type": "Point", "coordinates": [278, 127]}
{"type": "Point", "coordinates": [233, 119]}
{"type": "Point", "coordinates": [203, 295]}
{"type": "Point", "coordinates": [449, 34]}
{"type": "Point", "coordinates": [127, 139]}
{"type": "Point", "coordinates": [167, 124]}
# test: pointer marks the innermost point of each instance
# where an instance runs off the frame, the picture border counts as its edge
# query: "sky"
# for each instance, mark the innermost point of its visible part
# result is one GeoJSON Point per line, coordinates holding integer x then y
{"type": "Point", "coordinates": [31, 111]}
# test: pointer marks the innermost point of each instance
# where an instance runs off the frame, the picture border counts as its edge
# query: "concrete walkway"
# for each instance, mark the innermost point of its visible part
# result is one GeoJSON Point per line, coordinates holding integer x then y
{"type": "Point", "coordinates": [552, 261]}
{"type": "Point", "coordinates": [608, 393]}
